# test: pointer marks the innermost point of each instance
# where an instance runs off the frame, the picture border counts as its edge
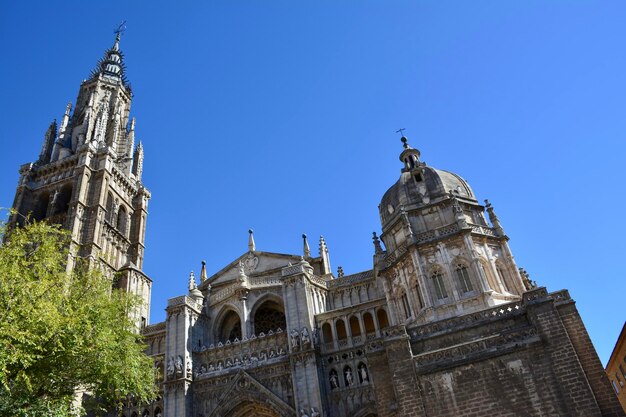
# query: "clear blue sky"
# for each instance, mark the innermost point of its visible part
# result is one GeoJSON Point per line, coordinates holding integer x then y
{"type": "Point", "coordinates": [280, 116]}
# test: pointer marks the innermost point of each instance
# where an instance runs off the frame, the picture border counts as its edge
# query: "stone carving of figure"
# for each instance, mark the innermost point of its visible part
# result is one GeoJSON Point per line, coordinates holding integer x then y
{"type": "Point", "coordinates": [306, 339]}
{"type": "Point", "coordinates": [263, 355]}
{"type": "Point", "coordinates": [363, 371]}
{"type": "Point", "coordinates": [295, 339]}
{"type": "Point", "coordinates": [188, 368]}
{"type": "Point", "coordinates": [228, 363]}
{"type": "Point", "coordinates": [170, 367]}
{"type": "Point", "coordinates": [314, 413]}
{"type": "Point", "coordinates": [349, 378]}
{"type": "Point", "coordinates": [237, 362]}
{"type": "Point", "coordinates": [303, 413]}
{"type": "Point", "coordinates": [179, 365]}
{"type": "Point", "coordinates": [220, 366]}
{"type": "Point", "coordinates": [272, 353]}
{"type": "Point", "coordinates": [211, 367]}
{"type": "Point", "coordinates": [334, 381]}
{"type": "Point", "coordinates": [159, 415]}
{"type": "Point", "coordinates": [202, 370]}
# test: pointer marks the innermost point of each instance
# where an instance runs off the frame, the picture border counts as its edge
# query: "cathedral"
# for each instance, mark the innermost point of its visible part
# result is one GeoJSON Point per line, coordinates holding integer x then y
{"type": "Point", "coordinates": [443, 324]}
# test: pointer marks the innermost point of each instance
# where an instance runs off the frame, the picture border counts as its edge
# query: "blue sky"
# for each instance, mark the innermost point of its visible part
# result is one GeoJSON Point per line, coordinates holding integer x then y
{"type": "Point", "coordinates": [280, 116]}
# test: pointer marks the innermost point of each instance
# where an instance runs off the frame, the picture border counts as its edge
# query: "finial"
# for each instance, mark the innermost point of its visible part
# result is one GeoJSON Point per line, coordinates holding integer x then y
{"type": "Point", "coordinates": [306, 249]}
{"type": "Point", "coordinates": [132, 124]}
{"type": "Point", "coordinates": [203, 276]}
{"type": "Point", "coordinates": [192, 281]}
{"type": "Point", "coordinates": [251, 245]}
{"type": "Point", "coordinates": [377, 248]}
{"type": "Point", "coordinates": [121, 28]}
{"type": "Point", "coordinates": [68, 108]}
{"type": "Point", "coordinates": [493, 218]}
{"type": "Point", "coordinates": [339, 272]}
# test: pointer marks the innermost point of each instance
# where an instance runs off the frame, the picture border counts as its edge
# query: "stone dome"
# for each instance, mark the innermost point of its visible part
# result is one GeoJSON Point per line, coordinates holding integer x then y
{"type": "Point", "coordinates": [420, 187]}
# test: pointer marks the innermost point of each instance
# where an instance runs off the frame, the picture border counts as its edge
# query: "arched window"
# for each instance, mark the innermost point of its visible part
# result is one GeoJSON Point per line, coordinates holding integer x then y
{"type": "Point", "coordinates": [327, 333]}
{"type": "Point", "coordinates": [42, 206]}
{"type": "Point", "coordinates": [109, 215]}
{"type": "Point", "coordinates": [406, 308]}
{"type": "Point", "coordinates": [438, 284]}
{"type": "Point", "coordinates": [157, 412]}
{"type": "Point", "coordinates": [355, 327]}
{"type": "Point", "coordinates": [465, 284]}
{"type": "Point", "coordinates": [381, 315]}
{"type": "Point", "coordinates": [368, 322]}
{"type": "Point", "coordinates": [490, 279]}
{"type": "Point", "coordinates": [502, 276]}
{"type": "Point", "coordinates": [230, 327]}
{"type": "Point", "coordinates": [341, 330]}
{"type": "Point", "coordinates": [269, 316]}
{"type": "Point", "coordinates": [63, 200]}
{"type": "Point", "coordinates": [145, 413]}
{"type": "Point", "coordinates": [122, 220]}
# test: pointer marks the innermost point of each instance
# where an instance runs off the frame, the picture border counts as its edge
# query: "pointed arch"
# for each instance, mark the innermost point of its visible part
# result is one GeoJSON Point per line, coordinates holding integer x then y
{"type": "Point", "coordinates": [122, 220]}
{"type": "Point", "coordinates": [438, 282]}
{"type": "Point", "coordinates": [491, 280]}
{"type": "Point", "coordinates": [355, 327]}
{"type": "Point", "coordinates": [228, 324]}
{"type": "Point", "coordinates": [340, 328]}
{"type": "Point", "coordinates": [383, 321]}
{"type": "Point", "coordinates": [268, 314]}
{"type": "Point", "coordinates": [368, 323]}
{"type": "Point", "coordinates": [462, 275]}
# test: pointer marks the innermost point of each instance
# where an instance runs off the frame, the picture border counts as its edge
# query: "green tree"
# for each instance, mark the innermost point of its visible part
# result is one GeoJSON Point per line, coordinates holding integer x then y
{"type": "Point", "coordinates": [62, 331]}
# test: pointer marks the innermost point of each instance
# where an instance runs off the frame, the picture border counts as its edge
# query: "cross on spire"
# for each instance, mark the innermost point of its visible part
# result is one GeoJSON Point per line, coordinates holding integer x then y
{"type": "Point", "coordinates": [121, 28]}
{"type": "Point", "coordinates": [401, 131]}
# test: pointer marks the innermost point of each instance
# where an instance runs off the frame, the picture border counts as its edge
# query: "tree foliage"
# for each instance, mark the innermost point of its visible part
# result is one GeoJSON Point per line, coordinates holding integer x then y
{"type": "Point", "coordinates": [61, 331]}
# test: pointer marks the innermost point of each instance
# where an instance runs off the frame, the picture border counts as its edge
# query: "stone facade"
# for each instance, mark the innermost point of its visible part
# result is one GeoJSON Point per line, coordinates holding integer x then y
{"type": "Point", "coordinates": [444, 324]}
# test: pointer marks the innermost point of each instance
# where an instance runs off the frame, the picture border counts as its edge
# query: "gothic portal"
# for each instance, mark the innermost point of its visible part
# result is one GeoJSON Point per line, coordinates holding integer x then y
{"type": "Point", "coordinates": [443, 324]}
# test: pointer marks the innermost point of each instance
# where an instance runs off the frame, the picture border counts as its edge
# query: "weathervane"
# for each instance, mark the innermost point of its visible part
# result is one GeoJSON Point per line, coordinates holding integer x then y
{"type": "Point", "coordinates": [121, 28]}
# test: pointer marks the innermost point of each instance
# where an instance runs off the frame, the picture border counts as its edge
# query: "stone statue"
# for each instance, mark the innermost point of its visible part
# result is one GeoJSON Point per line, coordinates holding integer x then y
{"type": "Point", "coordinates": [363, 371]}
{"type": "Point", "coordinates": [170, 367]}
{"type": "Point", "coordinates": [306, 339]}
{"type": "Point", "coordinates": [303, 413]}
{"type": "Point", "coordinates": [228, 363]}
{"type": "Point", "coordinates": [314, 413]}
{"type": "Point", "coordinates": [334, 381]}
{"type": "Point", "coordinates": [295, 339]}
{"type": "Point", "coordinates": [349, 378]}
{"type": "Point", "coordinates": [178, 364]}
{"type": "Point", "coordinates": [188, 368]}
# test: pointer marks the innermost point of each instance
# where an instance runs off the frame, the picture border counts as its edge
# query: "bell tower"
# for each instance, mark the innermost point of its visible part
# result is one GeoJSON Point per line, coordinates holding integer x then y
{"type": "Point", "coordinates": [88, 179]}
{"type": "Point", "coordinates": [442, 257]}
